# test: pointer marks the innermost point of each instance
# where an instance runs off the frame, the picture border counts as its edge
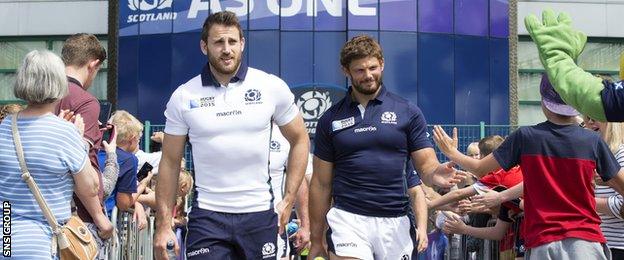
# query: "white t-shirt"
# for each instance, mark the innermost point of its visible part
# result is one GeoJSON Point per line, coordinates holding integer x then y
{"type": "Point", "coordinates": [229, 129]}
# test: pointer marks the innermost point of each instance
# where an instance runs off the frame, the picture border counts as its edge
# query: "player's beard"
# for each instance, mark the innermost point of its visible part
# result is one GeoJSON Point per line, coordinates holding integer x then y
{"type": "Point", "coordinates": [217, 64]}
{"type": "Point", "coordinates": [363, 86]}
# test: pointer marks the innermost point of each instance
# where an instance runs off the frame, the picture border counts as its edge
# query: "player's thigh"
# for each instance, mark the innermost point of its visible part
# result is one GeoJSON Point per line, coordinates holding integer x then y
{"type": "Point", "coordinates": [348, 234]}
{"type": "Point", "coordinates": [256, 235]}
{"type": "Point", "coordinates": [393, 239]}
{"type": "Point", "coordinates": [333, 256]}
{"type": "Point", "coordinates": [207, 235]}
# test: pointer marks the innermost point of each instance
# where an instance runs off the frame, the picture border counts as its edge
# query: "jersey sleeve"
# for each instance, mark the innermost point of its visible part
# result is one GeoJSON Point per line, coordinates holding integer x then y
{"type": "Point", "coordinates": [413, 179]}
{"type": "Point", "coordinates": [508, 153]}
{"type": "Point", "coordinates": [606, 164]}
{"type": "Point", "coordinates": [174, 114]}
{"type": "Point", "coordinates": [323, 146]}
{"type": "Point", "coordinates": [417, 135]}
{"type": "Point", "coordinates": [285, 108]}
{"type": "Point", "coordinates": [613, 100]}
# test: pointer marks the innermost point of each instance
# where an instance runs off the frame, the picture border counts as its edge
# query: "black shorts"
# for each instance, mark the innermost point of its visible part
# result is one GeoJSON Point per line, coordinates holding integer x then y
{"type": "Point", "coordinates": [218, 235]}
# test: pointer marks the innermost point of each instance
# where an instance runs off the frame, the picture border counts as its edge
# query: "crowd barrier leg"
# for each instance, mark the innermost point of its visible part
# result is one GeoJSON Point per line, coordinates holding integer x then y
{"type": "Point", "coordinates": [129, 243]}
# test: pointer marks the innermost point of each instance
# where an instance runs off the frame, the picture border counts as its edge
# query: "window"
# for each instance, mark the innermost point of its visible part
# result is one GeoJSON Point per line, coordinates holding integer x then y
{"type": "Point", "coordinates": [601, 56]}
{"type": "Point", "coordinates": [13, 50]}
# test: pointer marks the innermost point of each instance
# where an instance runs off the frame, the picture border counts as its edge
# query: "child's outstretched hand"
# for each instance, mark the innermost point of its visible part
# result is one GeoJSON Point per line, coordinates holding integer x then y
{"type": "Point", "coordinates": [446, 144]}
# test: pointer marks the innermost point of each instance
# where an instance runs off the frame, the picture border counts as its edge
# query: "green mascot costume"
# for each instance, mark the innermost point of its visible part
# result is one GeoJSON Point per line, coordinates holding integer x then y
{"type": "Point", "coordinates": [559, 45]}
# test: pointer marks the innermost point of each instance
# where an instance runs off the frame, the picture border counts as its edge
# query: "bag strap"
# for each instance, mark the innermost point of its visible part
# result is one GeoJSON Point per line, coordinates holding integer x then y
{"type": "Point", "coordinates": [30, 181]}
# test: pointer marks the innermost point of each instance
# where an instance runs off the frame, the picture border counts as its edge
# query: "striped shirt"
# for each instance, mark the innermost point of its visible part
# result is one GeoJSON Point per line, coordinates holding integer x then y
{"type": "Point", "coordinates": [53, 149]}
{"type": "Point", "coordinates": [612, 225]}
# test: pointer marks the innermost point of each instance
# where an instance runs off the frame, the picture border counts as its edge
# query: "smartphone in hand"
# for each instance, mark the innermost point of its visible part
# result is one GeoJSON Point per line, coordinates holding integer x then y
{"type": "Point", "coordinates": [145, 169]}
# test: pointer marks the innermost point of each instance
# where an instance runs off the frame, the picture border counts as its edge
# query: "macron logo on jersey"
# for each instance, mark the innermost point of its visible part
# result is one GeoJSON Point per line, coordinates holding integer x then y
{"type": "Point", "coordinates": [197, 252]}
{"type": "Point", "coordinates": [365, 129]}
{"type": "Point", "coordinates": [230, 113]}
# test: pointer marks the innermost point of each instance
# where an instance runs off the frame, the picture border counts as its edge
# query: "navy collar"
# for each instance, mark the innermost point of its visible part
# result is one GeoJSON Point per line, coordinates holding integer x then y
{"type": "Point", "coordinates": [75, 81]}
{"type": "Point", "coordinates": [208, 79]}
{"type": "Point", "coordinates": [381, 97]}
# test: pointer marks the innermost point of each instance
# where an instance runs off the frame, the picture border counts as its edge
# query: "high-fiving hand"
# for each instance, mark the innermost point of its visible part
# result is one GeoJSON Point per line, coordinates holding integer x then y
{"type": "Point", "coordinates": [445, 143]}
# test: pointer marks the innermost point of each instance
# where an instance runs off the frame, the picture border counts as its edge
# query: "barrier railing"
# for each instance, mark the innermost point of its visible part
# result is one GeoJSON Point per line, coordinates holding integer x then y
{"type": "Point", "coordinates": [130, 243]}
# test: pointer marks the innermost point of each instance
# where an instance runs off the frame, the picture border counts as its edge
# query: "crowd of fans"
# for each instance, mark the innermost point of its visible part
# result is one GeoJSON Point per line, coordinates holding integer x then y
{"type": "Point", "coordinates": [88, 168]}
{"type": "Point", "coordinates": [68, 151]}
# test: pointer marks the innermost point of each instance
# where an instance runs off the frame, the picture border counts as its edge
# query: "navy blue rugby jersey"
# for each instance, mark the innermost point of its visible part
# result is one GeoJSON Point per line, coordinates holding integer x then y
{"type": "Point", "coordinates": [369, 152]}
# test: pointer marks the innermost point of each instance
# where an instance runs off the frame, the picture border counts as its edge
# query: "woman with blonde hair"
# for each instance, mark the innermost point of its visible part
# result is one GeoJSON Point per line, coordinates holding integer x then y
{"type": "Point", "coordinates": [608, 201]}
{"type": "Point", "coordinates": [55, 156]}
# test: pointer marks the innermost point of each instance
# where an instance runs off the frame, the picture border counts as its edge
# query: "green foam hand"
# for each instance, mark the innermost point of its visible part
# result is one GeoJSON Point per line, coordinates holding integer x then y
{"type": "Point", "coordinates": [559, 45]}
{"type": "Point", "coordinates": [555, 34]}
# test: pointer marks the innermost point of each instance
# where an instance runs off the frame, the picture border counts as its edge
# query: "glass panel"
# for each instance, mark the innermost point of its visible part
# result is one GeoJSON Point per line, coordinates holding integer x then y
{"type": "Point", "coordinates": [596, 56]}
{"type": "Point", "coordinates": [528, 86]}
{"type": "Point", "coordinates": [6, 86]}
{"type": "Point", "coordinates": [530, 114]}
{"type": "Point", "coordinates": [601, 56]}
{"type": "Point", "coordinates": [98, 87]}
{"type": "Point", "coordinates": [57, 46]}
{"type": "Point", "coordinates": [527, 56]}
{"type": "Point", "coordinates": [12, 53]}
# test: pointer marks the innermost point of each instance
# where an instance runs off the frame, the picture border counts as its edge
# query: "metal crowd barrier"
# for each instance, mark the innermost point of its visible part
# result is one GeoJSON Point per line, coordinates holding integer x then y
{"type": "Point", "coordinates": [129, 243]}
{"type": "Point", "coordinates": [457, 247]}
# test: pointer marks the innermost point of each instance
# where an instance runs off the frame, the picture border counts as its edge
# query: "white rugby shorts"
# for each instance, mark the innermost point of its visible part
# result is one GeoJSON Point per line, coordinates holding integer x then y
{"type": "Point", "coordinates": [364, 237]}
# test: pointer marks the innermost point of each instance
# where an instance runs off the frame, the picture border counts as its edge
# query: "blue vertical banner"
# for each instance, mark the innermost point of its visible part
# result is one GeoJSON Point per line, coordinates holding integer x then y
{"type": "Point", "coordinates": [398, 15]}
{"type": "Point", "coordinates": [435, 16]}
{"type": "Point", "coordinates": [447, 56]}
{"type": "Point", "coordinates": [363, 14]}
{"type": "Point", "coordinates": [330, 15]}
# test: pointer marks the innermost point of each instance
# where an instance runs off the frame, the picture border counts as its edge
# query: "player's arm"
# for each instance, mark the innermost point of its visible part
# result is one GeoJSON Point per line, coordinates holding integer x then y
{"type": "Point", "coordinates": [452, 196]}
{"type": "Point", "coordinates": [431, 171]}
{"type": "Point", "coordinates": [320, 201]}
{"type": "Point", "coordinates": [301, 204]}
{"type": "Point", "coordinates": [419, 206]}
{"type": "Point", "coordinates": [302, 237]}
{"type": "Point", "coordinates": [297, 136]}
{"type": "Point", "coordinates": [168, 174]}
